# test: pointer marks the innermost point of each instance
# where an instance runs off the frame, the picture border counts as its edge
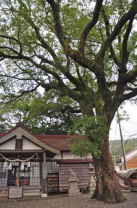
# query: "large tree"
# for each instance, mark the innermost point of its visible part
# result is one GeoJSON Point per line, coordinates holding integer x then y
{"type": "Point", "coordinates": [85, 50]}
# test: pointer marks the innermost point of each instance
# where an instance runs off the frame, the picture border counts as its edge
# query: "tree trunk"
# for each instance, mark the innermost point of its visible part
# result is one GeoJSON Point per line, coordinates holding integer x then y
{"type": "Point", "coordinates": [107, 184]}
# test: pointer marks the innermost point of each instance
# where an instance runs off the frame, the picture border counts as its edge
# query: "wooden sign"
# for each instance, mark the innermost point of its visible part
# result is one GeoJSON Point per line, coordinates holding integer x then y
{"type": "Point", "coordinates": [15, 192]}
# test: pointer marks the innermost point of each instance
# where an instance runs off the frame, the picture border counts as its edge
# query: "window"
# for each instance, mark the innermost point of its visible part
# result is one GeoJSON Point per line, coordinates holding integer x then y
{"type": "Point", "coordinates": [35, 173]}
{"type": "Point", "coordinates": [52, 166]}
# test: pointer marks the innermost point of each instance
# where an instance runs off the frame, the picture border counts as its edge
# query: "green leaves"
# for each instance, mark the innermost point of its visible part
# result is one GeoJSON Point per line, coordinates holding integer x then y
{"type": "Point", "coordinates": [74, 19]}
{"type": "Point", "coordinates": [95, 130]}
{"type": "Point", "coordinates": [43, 113]}
{"type": "Point", "coordinates": [84, 147]}
{"type": "Point", "coordinates": [90, 126]}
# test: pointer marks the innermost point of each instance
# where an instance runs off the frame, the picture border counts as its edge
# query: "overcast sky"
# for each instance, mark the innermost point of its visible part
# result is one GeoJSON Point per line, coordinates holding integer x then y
{"type": "Point", "coordinates": [129, 127]}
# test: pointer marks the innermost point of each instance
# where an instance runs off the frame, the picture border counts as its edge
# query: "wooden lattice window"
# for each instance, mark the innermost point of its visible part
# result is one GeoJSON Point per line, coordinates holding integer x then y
{"type": "Point", "coordinates": [3, 174]}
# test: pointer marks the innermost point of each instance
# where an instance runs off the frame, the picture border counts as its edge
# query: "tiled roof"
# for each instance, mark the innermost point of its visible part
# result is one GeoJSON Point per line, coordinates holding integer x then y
{"type": "Point", "coordinates": [14, 128]}
{"type": "Point", "coordinates": [61, 142]}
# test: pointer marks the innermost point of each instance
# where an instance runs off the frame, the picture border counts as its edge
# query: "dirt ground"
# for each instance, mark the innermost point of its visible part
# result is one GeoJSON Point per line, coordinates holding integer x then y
{"type": "Point", "coordinates": [63, 201]}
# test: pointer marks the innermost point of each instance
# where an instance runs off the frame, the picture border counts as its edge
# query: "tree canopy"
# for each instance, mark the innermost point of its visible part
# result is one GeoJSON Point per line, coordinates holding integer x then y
{"type": "Point", "coordinates": [46, 113]}
{"type": "Point", "coordinates": [69, 47]}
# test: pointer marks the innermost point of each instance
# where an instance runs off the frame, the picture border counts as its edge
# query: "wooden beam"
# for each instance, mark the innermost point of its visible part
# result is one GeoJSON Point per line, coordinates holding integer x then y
{"type": "Point", "coordinates": [44, 175]}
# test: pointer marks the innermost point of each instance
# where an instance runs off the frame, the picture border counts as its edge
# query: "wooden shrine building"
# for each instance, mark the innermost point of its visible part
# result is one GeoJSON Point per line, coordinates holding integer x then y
{"type": "Point", "coordinates": [37, 165]}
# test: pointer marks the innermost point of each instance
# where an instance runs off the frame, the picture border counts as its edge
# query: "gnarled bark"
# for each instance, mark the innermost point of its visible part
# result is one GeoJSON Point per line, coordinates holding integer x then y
{"type": "Point", "coordinates": [107, 184]}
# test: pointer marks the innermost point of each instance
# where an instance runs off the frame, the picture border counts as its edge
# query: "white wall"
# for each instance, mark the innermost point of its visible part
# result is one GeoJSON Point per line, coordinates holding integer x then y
{"type": "Point", "coordinates": [69, 155]}
{"type": "Point", "coordinates": [27, 145]}
{"type": "Point", "coordinates": [10, 145]}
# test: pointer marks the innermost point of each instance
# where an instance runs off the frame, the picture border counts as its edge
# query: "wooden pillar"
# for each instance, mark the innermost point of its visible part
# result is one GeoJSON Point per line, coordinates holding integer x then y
{"type": "Point", "coordinates": [44, 176]}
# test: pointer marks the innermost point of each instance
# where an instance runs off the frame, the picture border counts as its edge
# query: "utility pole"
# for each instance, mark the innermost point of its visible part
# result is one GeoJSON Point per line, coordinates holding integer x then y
{"type": "Point", "coordinates": [122, 141]}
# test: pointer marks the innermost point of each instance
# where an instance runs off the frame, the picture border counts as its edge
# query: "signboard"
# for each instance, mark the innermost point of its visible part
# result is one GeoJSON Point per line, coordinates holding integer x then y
{"type": "Point", "coordinates": [15, 192]}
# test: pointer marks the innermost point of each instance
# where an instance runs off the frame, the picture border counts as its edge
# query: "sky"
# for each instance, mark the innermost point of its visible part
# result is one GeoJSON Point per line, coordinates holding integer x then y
{"type": "Point", "coordinates": [129, 127]}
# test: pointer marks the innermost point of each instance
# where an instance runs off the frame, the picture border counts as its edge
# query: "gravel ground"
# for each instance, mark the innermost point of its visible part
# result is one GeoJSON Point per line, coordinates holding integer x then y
{"type": "Point", "coordinates": [62, 201]}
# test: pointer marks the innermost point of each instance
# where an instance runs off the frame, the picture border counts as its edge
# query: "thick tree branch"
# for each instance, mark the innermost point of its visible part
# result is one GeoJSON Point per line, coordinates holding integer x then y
{"type": "Point", "coordinates": [42, 41]}
{"type": "Point", "coordinates": [124, 79]}
{"type": "Point", "coordinates": [125, 52]}
{"type": "Point", "coordinates": [58, 26]}
{"type": "Point", "coordinates": [56, 65]}
{"type": "Point", "coordinates": [68, 75]}
{"type": "Point", "coordinates": [108, 33]}
{"type": "Point", "coordinates": [90, 25]}
{"type": "Point", "coordinates": [123, 20]}
{"type": "Point", "coordinates": [63, 69]}
{"type": "Point", "coordinates": [44, 59]}
{"type": "Point", "coordinates": [130, 76]}
{"type": "Point", "coordinates": [110, 37]}
{"type": "Point", "coordinates": [65, 90]}
{"type": "Point", "coordinates": [128, 16]}
{"type": "Point", "coordinates": [74, 54]}
{"type": "Point", "coordinates": [128, 96]}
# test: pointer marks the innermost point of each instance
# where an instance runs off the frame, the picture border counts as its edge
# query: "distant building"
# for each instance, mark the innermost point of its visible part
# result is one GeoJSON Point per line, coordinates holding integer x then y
{"type": "Point", "coordinates": [131, 159]}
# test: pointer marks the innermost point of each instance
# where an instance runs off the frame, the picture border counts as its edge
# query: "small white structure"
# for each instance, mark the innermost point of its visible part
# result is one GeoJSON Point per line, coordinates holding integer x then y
{"type": "Point", "coordinates": [73, 184]}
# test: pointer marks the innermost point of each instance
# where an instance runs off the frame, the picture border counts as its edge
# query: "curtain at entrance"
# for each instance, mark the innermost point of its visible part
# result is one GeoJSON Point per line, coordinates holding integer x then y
{"type": "Point", "coordinates": [19, 174]}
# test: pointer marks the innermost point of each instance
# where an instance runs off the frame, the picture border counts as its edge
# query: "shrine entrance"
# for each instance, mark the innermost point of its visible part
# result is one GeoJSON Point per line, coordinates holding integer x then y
{"type": "Point", "coordinates": [23, 174]}
{"type": "Point", "coordinates": [23, 162]}
{"type": "Point", "coordinates": [20, 172]}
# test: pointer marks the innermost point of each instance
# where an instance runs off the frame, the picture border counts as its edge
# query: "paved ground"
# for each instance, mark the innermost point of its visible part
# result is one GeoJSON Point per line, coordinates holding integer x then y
{"type": "Point", "coordinates": [62, 201]}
